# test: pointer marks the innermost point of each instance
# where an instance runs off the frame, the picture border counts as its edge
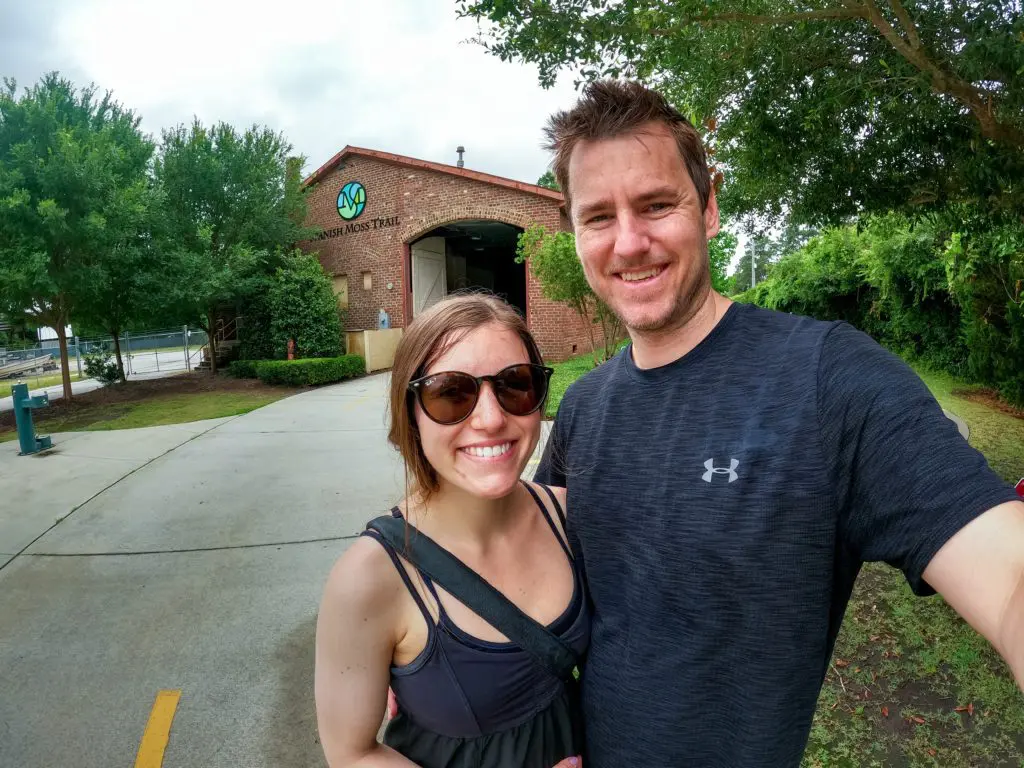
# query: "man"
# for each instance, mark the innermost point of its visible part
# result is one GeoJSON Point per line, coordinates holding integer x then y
{"type": "Point", "coordinates": [730, 471]}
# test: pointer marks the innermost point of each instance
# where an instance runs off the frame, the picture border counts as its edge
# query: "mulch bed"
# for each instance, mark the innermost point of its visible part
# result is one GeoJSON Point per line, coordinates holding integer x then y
{"type": "Point", "coordinates": [196, 382]}
{"type": "Point", "coordinates": [990, 398]}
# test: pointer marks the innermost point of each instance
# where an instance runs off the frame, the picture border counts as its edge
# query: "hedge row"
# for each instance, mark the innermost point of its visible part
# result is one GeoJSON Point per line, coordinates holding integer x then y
{"type": "Point", "coordinates": [242, 369]}
{"type": "Point", "coordinates": [300, 373]}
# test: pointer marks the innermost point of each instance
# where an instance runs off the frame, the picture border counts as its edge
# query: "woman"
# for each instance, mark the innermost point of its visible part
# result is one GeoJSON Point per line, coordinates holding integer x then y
{"type": "Point", "coordinates": [467, 389]}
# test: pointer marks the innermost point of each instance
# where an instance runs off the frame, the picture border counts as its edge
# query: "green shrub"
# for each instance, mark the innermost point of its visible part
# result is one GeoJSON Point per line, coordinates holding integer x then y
{"type": "Point", "coordinates": [310, 371]}
{"type": "Point", "coordinates": [99, 364]}
{"type": "Point", "coordinates": [242, 369]}
{"type": "Point", "coordinates": [296, 302]}
{"type": "Point", "coordinates": [947, 291]}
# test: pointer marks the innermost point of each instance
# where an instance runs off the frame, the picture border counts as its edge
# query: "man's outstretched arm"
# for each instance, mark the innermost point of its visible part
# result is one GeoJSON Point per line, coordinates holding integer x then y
{"type": "Point", "coordinates": [980, 573]}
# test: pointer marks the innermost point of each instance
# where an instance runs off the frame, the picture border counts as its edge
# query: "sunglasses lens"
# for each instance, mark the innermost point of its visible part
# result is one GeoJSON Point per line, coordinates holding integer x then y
{"type": "Point", "coordinates": [448, 397]}
{"type": "Point", "coordinates": [521, 388]}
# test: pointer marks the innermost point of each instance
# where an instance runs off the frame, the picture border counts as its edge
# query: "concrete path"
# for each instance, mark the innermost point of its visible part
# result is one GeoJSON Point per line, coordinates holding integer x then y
{"type": "Point", "coordinates": [961, 425]}
{"type": "Point", "coordinates": [188, 558]}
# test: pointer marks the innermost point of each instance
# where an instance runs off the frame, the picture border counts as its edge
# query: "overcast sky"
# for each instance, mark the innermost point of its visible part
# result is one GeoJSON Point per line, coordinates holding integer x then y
{"type": "Point", "coordinates": [392, 75]}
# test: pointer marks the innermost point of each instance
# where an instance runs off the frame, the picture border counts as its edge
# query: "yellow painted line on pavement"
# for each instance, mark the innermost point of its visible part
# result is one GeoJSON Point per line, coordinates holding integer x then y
{"type": "Point", "coordinates": [158, 730]}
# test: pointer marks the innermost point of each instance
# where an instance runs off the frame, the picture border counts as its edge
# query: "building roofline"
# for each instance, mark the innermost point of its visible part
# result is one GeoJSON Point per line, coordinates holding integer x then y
{"type": "Point", "coordinates": [412, 162]}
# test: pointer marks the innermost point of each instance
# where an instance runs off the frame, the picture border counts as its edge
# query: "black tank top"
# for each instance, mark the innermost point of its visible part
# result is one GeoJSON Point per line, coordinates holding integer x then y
{"type": "Point", "coordinates": [469, 702]}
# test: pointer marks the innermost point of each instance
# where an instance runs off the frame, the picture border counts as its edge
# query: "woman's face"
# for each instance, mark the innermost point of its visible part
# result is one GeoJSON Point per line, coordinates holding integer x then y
{"type": "Point", "coordinates": [457, 451]}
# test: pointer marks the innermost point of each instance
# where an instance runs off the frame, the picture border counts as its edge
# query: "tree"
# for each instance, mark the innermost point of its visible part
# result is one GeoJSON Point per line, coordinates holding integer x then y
{"type": "Point", "coordinates": [721, 249]}
{"type": "Point", "coordinates": [297, 303]}
{"type": "Point", "coordinates": [232, 209]}
{"type": "Point", "coordinates": [825, 110]}
{"type": "Point", "coordinates": [764, 252]}
{"type": "Point", "coordinates": [554, 262]}
{"type": "Point", "coordinates": [548, 180]}
{"type": "Point", "coordinates": [128, 285]}
{"type": "Point", "coordinates": [70, 163]}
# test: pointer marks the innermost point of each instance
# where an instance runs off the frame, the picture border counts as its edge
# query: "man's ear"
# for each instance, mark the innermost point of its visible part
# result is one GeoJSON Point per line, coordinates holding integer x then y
{"type": "Point", "coordinates": [711, 222]}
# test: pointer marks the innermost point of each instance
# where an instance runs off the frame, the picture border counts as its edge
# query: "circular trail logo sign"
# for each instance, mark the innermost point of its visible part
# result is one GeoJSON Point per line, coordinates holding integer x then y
{"type": "Point", "coordinates": [351, 200]}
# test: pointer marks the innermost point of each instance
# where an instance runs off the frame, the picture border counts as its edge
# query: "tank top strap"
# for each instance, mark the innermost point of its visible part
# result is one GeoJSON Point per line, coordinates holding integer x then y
{"type": "Point", "coordinates": [547, 515]}
{"type": "Point", "coordinates": [405, 577]}
{"type": "Point", "coordinates": [557, 505]}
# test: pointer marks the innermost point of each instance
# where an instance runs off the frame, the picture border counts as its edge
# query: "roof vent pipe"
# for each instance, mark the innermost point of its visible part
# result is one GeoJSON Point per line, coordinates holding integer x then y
{"type": "Point", "coordinates": [461, 163]}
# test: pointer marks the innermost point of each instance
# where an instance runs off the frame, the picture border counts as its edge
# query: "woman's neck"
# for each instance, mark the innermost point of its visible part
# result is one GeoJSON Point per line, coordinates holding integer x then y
{"type": "Point", "coordinates": [457, 516]}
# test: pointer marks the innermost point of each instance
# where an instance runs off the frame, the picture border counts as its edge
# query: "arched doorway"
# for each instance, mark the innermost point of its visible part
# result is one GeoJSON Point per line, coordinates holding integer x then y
{"type": "Point", "coordinates": [465, 255]}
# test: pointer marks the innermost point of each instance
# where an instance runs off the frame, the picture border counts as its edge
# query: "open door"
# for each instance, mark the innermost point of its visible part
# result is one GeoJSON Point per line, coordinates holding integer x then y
{"type": "Point", "coordinates": [429, 277]}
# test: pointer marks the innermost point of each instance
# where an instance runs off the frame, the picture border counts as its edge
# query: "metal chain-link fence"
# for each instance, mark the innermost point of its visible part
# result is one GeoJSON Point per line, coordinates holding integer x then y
{"type": "Point", "coordinates": [144, 355]}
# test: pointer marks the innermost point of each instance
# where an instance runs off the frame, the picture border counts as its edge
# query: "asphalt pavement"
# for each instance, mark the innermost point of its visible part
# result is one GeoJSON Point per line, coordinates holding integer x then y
{"type": "Point", "coordinates": [186, 558]}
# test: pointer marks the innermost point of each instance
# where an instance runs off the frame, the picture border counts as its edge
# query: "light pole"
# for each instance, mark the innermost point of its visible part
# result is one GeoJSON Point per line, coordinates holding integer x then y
{"type": "Point", "coordinates": [753, 263]}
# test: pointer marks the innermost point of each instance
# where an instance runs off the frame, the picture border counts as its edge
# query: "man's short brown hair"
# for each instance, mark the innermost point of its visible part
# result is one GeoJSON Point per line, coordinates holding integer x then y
{"type": "Point", "coordinates": [611, 108]}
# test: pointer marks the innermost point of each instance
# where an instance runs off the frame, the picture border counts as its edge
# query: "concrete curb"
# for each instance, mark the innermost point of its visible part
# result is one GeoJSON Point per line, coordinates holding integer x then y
{"type": "Point", "coordinates": [960, 424]}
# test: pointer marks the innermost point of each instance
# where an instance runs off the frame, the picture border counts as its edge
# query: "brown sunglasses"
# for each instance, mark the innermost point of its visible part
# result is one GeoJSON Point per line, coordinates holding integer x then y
{"type": "Point", "coordinates": [449, 397]}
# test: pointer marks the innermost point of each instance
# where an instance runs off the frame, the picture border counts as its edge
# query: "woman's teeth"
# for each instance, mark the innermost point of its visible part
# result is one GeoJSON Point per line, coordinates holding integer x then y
{"type": "Point", "coordinates": [488, 451]}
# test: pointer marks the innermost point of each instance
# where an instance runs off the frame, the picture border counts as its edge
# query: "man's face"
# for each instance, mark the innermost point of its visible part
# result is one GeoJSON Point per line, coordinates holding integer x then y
{"type": "Point", "coordinates": [640, 230]}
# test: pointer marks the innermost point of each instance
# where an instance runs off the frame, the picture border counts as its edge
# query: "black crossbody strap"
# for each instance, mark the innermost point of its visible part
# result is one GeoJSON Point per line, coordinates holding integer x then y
{"type": "Point", "coordinates": [467, 586]}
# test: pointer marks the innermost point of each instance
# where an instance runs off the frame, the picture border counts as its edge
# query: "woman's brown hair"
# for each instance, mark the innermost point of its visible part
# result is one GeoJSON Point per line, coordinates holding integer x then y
{"type": "Point", "coordinates": [426, 339]}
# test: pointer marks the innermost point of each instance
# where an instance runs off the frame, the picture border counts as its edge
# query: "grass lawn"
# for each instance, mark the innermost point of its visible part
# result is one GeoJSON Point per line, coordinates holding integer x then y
{"type": "Point", "coordinates": [910, 683]}
{"type": "Point", "coordinates": [171, 400]}
{"type": "Point", "coordinates": [34, 382]}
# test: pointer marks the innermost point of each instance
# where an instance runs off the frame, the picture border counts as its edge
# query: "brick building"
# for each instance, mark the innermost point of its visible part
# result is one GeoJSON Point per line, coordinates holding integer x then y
{"type": "Point", "coordinates": [399, 234]}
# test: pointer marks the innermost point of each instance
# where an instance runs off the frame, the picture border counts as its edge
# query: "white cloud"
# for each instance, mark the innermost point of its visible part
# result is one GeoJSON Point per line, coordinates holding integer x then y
{"type": "Point", "coordinates": [390, 74]}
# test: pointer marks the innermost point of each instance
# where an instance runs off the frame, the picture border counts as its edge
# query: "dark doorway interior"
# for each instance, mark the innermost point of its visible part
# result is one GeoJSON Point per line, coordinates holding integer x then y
{"type": "Point", "coordinates": [482, 254]}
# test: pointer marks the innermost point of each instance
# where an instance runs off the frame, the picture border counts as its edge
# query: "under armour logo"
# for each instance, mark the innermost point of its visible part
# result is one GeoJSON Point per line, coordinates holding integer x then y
{"type": "Point", "coordinates": [709, 465]}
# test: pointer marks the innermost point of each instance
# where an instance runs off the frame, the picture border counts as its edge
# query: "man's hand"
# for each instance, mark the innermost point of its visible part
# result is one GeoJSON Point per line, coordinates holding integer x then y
{"type": "Point", "coordinates": [571, 762]}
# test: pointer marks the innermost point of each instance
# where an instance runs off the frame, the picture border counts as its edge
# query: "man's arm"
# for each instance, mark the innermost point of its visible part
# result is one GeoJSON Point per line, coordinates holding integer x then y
{"type": "Point", "coordinates": [980, 573]}
{"type": "Point", "coordinates": [914, 494]}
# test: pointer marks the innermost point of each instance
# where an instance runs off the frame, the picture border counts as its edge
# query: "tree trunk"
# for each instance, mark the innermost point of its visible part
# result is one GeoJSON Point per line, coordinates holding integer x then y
{"type": "Point", "coordinates": [65, 371]}
{"type": "Point", "coordinates": [211, 336]}
{"type": "Point", "coordinates": [117, 353]}
{"type": "Point", "coordinates": [588, 322]}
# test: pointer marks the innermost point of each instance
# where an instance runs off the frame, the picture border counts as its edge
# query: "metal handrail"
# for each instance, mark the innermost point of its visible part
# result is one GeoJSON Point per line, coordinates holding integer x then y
{"type": "Point", "coordinates": [219, 334]}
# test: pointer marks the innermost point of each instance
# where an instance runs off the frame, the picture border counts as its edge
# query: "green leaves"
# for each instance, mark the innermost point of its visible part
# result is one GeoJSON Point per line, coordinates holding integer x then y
{"type": "Point", "coordinates": [948, 290]}
{"type": "Point", "coordinates": [721, 249]}
{"type": "Point", "coordinates": [824, 113]}
{"type": "Point", "coordinates": [231, 212]}
{"type": "Point", "coordinates": [548, 180]}
{"type": "Point", "coordinates": [303, 307]}
{"type": "Point", "coordinates": [68, 161]}
{"type": "Point", "coordinates": [554, 262]}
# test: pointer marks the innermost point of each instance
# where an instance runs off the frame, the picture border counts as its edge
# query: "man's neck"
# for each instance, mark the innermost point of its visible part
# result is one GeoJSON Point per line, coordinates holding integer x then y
{"type": "Point", "coordinates": [653, 349]}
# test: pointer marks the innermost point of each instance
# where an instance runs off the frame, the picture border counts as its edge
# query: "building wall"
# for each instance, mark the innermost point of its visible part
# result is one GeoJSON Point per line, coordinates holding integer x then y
{"type": "Point", "coordinates": [402, 205]}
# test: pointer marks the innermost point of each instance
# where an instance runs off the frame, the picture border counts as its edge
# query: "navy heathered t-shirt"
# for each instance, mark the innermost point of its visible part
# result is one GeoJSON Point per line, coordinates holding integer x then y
{"type": "Point", "coordinates": [721, 507]}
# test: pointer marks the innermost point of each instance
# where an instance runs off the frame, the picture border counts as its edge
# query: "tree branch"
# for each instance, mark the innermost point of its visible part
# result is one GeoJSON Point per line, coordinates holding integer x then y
{"type": "Point", "coordinates": [752, 18]}
{"type": "Point", "coordinates": [907, 23]}
{"type": "Point", "coordinates": [943, 81]}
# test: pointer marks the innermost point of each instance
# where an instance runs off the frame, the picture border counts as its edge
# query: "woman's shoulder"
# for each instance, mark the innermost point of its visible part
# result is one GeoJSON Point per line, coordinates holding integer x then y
{"type": "Point", "coordinates": [558, 491]}
{"type": "Point", "coordinates": [557, 512]}
{"type": "Point", "coordinates": [363, 575]}
{"type": "Point", "coordinates": [559, 494]}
